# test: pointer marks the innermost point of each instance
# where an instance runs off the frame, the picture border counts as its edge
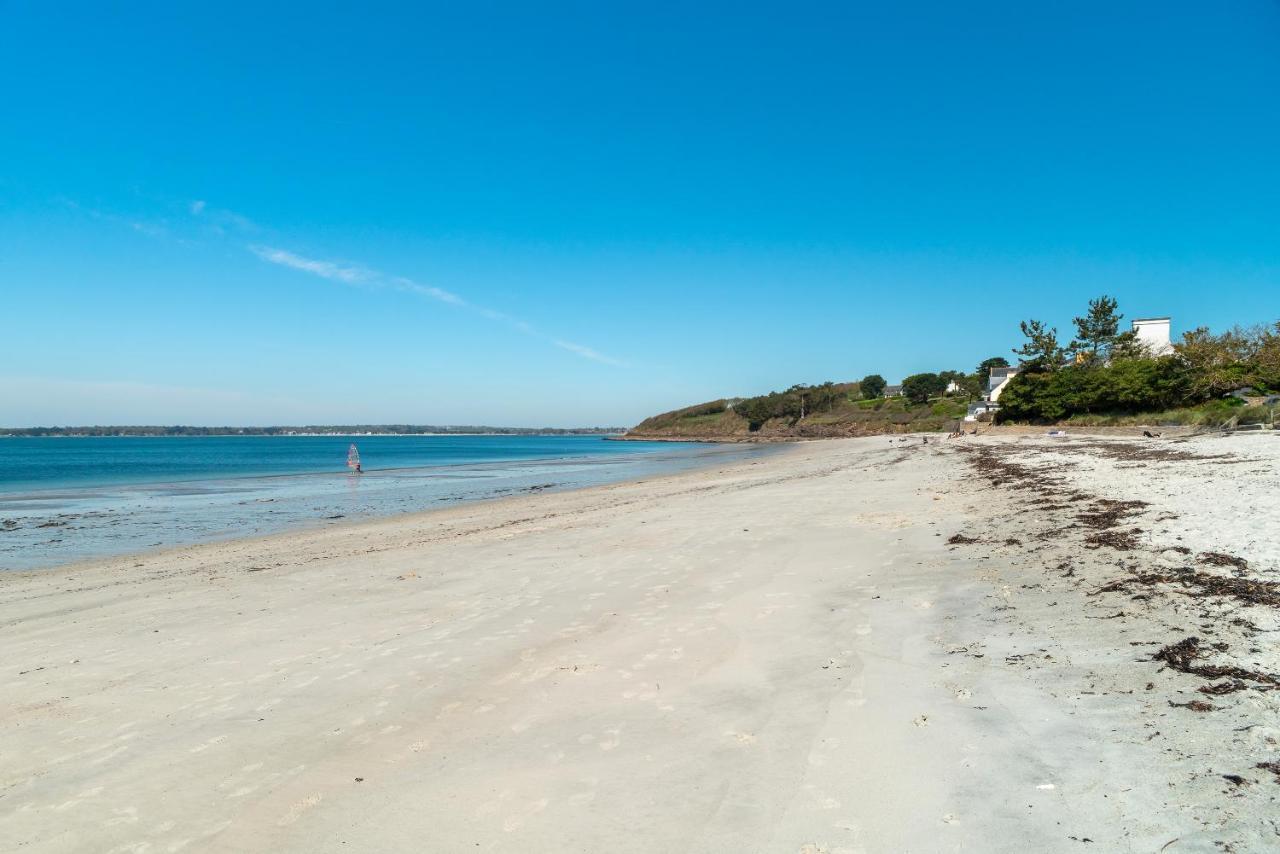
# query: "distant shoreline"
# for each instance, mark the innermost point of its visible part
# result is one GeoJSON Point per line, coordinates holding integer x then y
{"type": "Point", "coordinates": [148, 432]}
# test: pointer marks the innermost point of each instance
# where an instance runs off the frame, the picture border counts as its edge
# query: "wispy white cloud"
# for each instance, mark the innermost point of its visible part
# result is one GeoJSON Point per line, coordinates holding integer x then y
{"type": "Point", "coordinates": [148, 228]}
{"type": "Point", "coordinates": [220, 220]}
{"type": "Point", "coordinates": [222, 223]}
{"type": "Point", "coordinates": [324, 269]}
{"type": "Point", "coordinates": [403, 284]}
{"type": "Point", "coordinates": [352, 274]}
{"type": "Point", "coordinates": [586, 352]}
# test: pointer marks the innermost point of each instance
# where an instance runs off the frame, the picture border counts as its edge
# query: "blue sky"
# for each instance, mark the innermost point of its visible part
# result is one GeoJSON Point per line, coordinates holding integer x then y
{"type": "Point", "coordinates": [564, 214]}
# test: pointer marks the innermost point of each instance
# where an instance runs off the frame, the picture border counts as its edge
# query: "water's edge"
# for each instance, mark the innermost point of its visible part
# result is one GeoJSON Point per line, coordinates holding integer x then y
{"type": "Point", "coordinates": [46, 528]}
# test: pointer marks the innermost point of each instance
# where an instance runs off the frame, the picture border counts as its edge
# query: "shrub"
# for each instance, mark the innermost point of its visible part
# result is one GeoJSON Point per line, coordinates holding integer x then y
{"type": "Point", "coordinates": [1131, 385]}
{"type": "Point", "coordinates": [918, 388]}
{"type": "Point", "coordinates": [872, 386]}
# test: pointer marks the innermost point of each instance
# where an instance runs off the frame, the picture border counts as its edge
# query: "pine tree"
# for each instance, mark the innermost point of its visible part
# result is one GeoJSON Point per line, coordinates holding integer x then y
{"type": "Point", "coordinates": [1096, 332]}
{"type": "Point", "coordinates": [1042, 351]}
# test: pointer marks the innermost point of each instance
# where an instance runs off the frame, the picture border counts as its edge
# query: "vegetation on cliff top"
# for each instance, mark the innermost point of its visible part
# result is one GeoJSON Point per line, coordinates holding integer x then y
{"type": "Point", "coordinates": [1102, 376]}
{"type": "Point", "coordinates": [804, 411]}
{"type": "Point", "coordinates": [1107, 374]}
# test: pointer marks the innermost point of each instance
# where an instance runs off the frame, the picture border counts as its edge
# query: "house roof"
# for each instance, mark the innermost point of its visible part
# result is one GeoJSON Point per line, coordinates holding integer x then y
{"type": "Point", "coordinates": [1148, 319]}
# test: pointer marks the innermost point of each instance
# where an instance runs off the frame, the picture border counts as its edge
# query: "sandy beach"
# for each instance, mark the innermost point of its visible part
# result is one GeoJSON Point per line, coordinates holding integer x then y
{"type": "Point", "coordinates": [867, 645]}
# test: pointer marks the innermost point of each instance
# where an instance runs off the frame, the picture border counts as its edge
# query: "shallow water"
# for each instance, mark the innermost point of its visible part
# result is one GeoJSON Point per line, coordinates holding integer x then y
{"type": "Point", "coordinates": [63, 500]}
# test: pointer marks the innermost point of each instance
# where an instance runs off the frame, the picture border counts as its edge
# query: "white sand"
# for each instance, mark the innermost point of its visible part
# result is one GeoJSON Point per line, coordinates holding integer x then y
{"type": "Point", "coordinates": [779, 656]}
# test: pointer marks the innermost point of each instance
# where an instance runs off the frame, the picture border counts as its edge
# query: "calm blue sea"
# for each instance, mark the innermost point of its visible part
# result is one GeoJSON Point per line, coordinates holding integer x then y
{"type": "Point", "coordinates": [67, 499]}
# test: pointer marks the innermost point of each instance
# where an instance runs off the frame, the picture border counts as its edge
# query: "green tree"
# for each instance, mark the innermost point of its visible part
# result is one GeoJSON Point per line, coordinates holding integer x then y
{"type": "Point", "coordinates": [985, 366]}
{"type": "Point", "coordinates": [1127, 346]}
{"type": "Point", "coordinates": [872, 386]}
{"type": "Point", "coordinates": [1218, 363]}
{"type": "Point", "coordinates": [1096, 332]}
{"type": "Point", "coordinates": [949, 377]}
{"type": "Point", "coordinates": [918, 388]}
{"type": "Point", "coordinates": [1041, 352]}
{"type": "Point", "coordinates": [1268, 358]}
{"type": "Point", "coordinates": [1137, 385]}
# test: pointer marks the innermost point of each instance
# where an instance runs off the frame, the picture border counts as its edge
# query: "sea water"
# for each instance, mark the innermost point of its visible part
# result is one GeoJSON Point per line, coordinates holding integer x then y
{"type": "Point", "coordinates": [68, 499]}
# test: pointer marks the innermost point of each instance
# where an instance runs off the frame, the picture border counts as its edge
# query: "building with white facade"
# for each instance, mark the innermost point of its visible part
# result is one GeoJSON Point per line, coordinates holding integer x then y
{"type": "Point", "coordinates": [1153, 335]}
{"type": "Point", "coordinates": [997, 381]}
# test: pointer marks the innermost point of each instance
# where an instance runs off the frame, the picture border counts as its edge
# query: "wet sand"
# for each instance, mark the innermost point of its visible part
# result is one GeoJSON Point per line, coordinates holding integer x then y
{"type": "Point", "coordinates": [851, 645]}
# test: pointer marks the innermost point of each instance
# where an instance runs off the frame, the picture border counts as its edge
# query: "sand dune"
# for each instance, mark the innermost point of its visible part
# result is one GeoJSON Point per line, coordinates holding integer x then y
{"type": "Point", "coordinates": [787, 655]}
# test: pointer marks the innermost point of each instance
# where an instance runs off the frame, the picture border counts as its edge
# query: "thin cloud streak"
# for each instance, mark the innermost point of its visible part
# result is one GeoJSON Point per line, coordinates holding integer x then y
{"type": "Point", "coordinates": [324, 269]}
{"type": "Point", "coordinates": [351, 274]}
{"type": "Point", "coordinates": [348, 274]}
{"type": "Point", "coordinates": [586, 352]}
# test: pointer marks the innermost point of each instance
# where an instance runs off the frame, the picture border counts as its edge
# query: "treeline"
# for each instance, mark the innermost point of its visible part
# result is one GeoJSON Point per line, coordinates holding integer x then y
{"type": "Point", "coordinates": [793, 404]}
{"type": "Point", "coordinates": [804, 401]}
{"type": "Point", "coordinates": [1105, 371]}
{"type": "Point", "coordinates": [321, 430]}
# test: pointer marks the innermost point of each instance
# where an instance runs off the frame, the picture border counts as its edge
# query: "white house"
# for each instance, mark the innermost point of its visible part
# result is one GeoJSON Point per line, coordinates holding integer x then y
{"type": "Point", "coordinates": [998, 380]}
{"type": "Point", "coordinates": [1153, 334]}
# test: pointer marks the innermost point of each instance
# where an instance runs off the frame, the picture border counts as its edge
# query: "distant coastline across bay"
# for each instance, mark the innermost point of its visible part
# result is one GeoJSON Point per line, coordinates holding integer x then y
{"type": "Point", "coordinates": [309, 430]}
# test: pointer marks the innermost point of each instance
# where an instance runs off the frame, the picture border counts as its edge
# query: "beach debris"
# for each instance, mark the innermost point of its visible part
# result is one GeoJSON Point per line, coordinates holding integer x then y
{"type": "Point", "coordinates": [1183, 655]}
{"type": "Point", "coordinates": [1108, 513]}
{"type": "Point", "coordinates": [1220, 559]}
{"type": "Point", "coordinates": [1236, 779]}
{"type": "Point", "coordinates": [1195, 706]}
{"type": "Point", "coordinates": [1273, 767]}
{"type": "Point", "coordinates": [1125, 541]}
{"type": "Point", "coordinates": [1249, 591]}
{"type": "Point", "coordinates": [961, 540]}
{"type": "Point", "coordinates": [1228, 687]}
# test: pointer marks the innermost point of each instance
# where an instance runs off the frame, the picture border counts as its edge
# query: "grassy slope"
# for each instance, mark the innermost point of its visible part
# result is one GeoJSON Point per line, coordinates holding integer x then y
{"type": "Point", "coordinates": [848, 417]}
{"type": "Point", "coordinates": [851, 417]}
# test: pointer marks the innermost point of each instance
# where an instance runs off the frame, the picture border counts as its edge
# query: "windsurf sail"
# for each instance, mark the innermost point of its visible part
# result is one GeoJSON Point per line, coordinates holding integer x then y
{"type": "Point", "coordinates": [353, 457]}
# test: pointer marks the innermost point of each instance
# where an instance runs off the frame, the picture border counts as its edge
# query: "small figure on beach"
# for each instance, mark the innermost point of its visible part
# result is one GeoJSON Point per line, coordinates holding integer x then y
{"type": "Point", "coordinates": [1150, 435]}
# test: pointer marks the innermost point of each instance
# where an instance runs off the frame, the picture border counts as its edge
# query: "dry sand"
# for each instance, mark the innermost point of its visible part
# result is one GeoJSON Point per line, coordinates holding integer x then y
{"type": "Point", "coordinates": [786, 655]}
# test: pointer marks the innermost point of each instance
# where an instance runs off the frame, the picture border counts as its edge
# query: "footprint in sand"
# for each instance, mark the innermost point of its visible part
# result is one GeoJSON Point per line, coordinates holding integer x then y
{"type": "Point", "coordinates": [514, 822]}
{"type": "Point", "coordinates": [920, 720]}
{"type": "Point", "coordinates": [295, 812]}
